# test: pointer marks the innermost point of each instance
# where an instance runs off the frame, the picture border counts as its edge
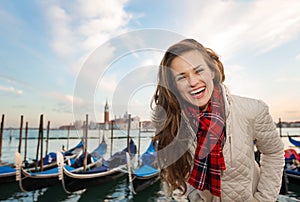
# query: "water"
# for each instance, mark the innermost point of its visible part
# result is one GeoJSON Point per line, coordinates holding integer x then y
{"type": "Point", "coordinates": [114, 191]}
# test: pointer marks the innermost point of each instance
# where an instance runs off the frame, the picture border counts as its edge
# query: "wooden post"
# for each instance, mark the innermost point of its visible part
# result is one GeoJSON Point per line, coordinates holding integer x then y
{"type": "Point", "coordinates": [42, 142]}
{"type": "Point", "coordinates": [47, 140]}
{"type": "Point", "coordinates": [85, 148]}
{"type": "Point", "coordinates": [10, 135]}
{"type": "Point", "coordinates": [111, 137]}
{"type": "Point", "coordinates": [128, 133]}
{"type": "Point", "coordinates": [280, 127]}
{"type": "Point", "coordinates": [20, 136]}
{"type": "Point", "coordinates": [99, 136]}
{"type": "Point", "coordinates": [38, 146]}
{"type": "Point", "coordinates": [1, 135]}
{"type": "Point", "coordinates": [69, 128]}
{"type": "Point", "coordinates": [26, 137]}
{"type": "Point", "coordinates": [83, 132]}
{"type": "Point", "coordinates": [139, 142]}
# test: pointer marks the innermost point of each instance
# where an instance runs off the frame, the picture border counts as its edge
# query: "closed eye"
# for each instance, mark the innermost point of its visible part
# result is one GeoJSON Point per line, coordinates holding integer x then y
{"type": "Point", "coordinates": [198, 69]}
{"type": "Point", "coordinates": [180, 77]}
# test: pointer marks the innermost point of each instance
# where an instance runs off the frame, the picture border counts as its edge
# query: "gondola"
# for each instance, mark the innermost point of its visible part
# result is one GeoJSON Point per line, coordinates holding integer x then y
{"type": "Point", "coordinates": [294, 142]}
{"type": "Point", "coordinates": [8, 172]}
{"type": "Point", "coordinates": [111, 169]}
{"type": "Point", "coordinates": [38, 180]}
{"type": "Point", "coordinates": [292, 165]}
{"type": "Point", "coordinates": [147, 172]}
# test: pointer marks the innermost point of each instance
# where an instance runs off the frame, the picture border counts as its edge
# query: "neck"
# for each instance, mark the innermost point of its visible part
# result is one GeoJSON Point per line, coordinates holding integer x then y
{"type": "Point", "coordinates": [203, 108]}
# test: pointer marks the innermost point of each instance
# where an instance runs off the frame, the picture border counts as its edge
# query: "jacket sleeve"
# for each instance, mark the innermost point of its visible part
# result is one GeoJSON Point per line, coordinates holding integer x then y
{"type": "Point", "coordinates": [271, 147]}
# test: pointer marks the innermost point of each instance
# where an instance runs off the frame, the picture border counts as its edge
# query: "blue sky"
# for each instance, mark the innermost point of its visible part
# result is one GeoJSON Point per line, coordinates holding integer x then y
{"type": "Point", "coordinates": [46, 46]}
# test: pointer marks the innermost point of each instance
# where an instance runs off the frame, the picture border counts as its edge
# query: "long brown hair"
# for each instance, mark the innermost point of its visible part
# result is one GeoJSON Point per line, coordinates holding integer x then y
{"type": "Point", "coordinates": [167, 110]}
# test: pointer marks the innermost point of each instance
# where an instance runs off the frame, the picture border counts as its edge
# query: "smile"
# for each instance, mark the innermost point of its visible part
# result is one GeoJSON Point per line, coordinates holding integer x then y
{"type": "Point", "coordinates": [197, 91]}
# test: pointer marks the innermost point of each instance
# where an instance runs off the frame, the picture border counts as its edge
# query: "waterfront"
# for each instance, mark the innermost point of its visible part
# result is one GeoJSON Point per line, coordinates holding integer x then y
{"type": "Point", "coordinates": [113, 191]}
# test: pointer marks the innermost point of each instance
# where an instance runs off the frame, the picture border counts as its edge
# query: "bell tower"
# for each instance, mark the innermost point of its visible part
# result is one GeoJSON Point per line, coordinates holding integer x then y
{"type": "Point", "coordinates": [106, 114]}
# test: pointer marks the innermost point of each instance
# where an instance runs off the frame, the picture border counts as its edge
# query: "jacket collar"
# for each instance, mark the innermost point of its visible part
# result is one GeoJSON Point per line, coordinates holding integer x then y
{"type": "Point", "coordinates": [227, 99]}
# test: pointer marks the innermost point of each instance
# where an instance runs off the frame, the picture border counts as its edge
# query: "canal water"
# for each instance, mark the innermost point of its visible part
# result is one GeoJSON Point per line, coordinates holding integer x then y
{"type": "Point", "coordinates": [114, 191]}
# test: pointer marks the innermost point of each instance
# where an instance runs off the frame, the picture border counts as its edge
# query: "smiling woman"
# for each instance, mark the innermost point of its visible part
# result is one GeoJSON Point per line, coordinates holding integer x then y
{"type": "Point", "coordinates": [194, 79]}
{"type": "Point", "coordinates": [214, 131]}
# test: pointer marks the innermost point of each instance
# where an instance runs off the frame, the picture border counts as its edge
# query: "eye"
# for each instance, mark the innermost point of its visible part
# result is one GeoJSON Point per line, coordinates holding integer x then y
{"type": "Point", "coordinates": [199, 70]}
{"type": "Point", "coordinates": [180, 77]}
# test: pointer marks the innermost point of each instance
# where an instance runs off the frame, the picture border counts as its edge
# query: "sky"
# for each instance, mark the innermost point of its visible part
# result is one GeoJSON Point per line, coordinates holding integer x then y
{"type": "Point", "coordinates": [65, 60]}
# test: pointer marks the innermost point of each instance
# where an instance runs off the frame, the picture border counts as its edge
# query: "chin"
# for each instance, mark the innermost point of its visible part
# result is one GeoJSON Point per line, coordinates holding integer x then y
{"type": "Point", "coordinates": [202, 103]}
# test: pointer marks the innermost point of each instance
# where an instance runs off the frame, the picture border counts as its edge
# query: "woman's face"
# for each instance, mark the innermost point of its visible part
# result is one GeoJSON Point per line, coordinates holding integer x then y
{"type": "Point", "coordinates": [193, 77]}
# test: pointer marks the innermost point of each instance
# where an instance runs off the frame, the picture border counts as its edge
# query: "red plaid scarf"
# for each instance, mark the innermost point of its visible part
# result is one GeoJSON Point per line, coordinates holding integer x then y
{"type": "Point", "coordinates": [208, 159]}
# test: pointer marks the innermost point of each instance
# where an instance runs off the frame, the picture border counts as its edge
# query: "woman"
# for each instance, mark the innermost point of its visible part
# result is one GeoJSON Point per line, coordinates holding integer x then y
{"type": "Point", "coordinates": [193, 105]}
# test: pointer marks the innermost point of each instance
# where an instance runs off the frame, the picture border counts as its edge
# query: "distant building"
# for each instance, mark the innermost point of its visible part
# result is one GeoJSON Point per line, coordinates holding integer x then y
{"type": "Point", "coordinates": [93, 125]}
{"type": "Point", "coordinates": [295, 124]}
{"type": "Point", "coordinates": [106, 116]}
{"type": "Point", "coordinates": [78, 124]}
{"type": "Point", "coordinates": [119, 123]}
{"type": "Point", "coordinates": [147, 126]}
{"type": "Point", "coordinates": [135, 122]}
{"type": "Point", "coordinates": [67, 127]}
{"type": "Point", "coordinates": [284, 124]}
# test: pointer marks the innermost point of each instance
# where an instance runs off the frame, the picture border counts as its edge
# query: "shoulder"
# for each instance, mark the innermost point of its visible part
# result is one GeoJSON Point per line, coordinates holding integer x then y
{"type": "Point", "coordinates": [250, 106]}
{"type": "Point", "coordinates": [242, 104]}
{"type": "Point", "coordinates": [248, 102]}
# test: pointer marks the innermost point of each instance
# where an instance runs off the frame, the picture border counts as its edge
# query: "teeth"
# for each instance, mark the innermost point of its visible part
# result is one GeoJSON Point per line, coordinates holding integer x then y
{"type": "Point", "coordinates": [197, 91]}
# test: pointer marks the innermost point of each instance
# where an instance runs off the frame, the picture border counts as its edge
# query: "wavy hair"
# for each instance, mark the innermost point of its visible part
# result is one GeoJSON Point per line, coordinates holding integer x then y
{"type": "Point", "coordinates": [167, 112]}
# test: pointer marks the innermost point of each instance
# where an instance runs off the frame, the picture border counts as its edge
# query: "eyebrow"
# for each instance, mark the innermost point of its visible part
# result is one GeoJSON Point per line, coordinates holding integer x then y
{"type": "Point", "coordinates": [198, 67]}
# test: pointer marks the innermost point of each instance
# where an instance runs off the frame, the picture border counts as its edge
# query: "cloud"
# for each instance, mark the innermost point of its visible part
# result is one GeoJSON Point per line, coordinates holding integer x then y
{"type": "Point", "coordinates": [11, 89]}
{"type": "Point", "coordinates": [63, 37]}
{"type": "Point", "coordinates": [65, 98]}
{"type": "Point", "coordinates": [239, 81]}
{"type": "Point", "coordinates": [64, 103]}
{"type": "Point", "coordinates": [8, 85]}
{"type": "Point", "coordinates": [12, 81]}
{"type": "Point", "coordinates": [61, 107]}
{"type": "Point", "coordinates": [298, 57]}
{"type": "Point", "coordinates": [107, 83]}
{"type": "Point", "coordinates": [81, 27]}
{"type": "Point", "coordinates": [231, 26]}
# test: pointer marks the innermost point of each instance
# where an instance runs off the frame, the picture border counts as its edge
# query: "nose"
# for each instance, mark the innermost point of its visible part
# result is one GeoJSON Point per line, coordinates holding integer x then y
{"type": "Point", "coordinates": [193, 80]}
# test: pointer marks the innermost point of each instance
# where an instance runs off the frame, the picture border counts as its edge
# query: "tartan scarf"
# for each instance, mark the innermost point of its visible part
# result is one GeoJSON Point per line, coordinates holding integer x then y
{"type": "Point", "coordinates": [208, 159]}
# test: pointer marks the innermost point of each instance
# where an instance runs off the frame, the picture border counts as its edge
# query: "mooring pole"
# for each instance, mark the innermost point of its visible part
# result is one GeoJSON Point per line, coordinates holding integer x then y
{"type": "Point", "coordinates": [39, 140]}
{"type": "Point", "coordinates": [42, 142]}
{"type": "Point", "coordinates": [111, 137]}
{"type": "Point", "coordinates": [1, 135]}
{"type": "Point", "coordinates": [280, 127]}
{"type": "Point", "coordinates": [26, 137]}
{"type": "Point", "coordinates": [20, 136]}
{"type": "Point", "coordinates": [47, 141]}
{"type": "Point", "coordinates": [128, 133]}
{"type": "Point", "coordinates": [139, 142]}
{"type": "Point", "coordinates": [85, 148]}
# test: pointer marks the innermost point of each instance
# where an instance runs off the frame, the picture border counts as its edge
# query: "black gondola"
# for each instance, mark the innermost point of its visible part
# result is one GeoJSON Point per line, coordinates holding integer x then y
{"type": "Point", "coordinates": [8, 172]}
{"type": "Point", "coordinates": [38, 180]}
{"type": "Point", "coordinates": [294, 142]}
{"type": "Point", "coordinates": [147, 173]}
{"type": "Point", "coordinates": [110, 170]}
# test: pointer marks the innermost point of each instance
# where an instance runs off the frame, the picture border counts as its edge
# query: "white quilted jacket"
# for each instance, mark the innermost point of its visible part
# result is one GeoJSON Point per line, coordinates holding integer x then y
{"type": "Point", "coordinates": [242, 181]}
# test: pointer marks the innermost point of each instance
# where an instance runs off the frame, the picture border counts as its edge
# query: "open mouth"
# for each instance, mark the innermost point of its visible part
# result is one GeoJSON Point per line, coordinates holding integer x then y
{"type": "Point", "coordinates": [197, 91]}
